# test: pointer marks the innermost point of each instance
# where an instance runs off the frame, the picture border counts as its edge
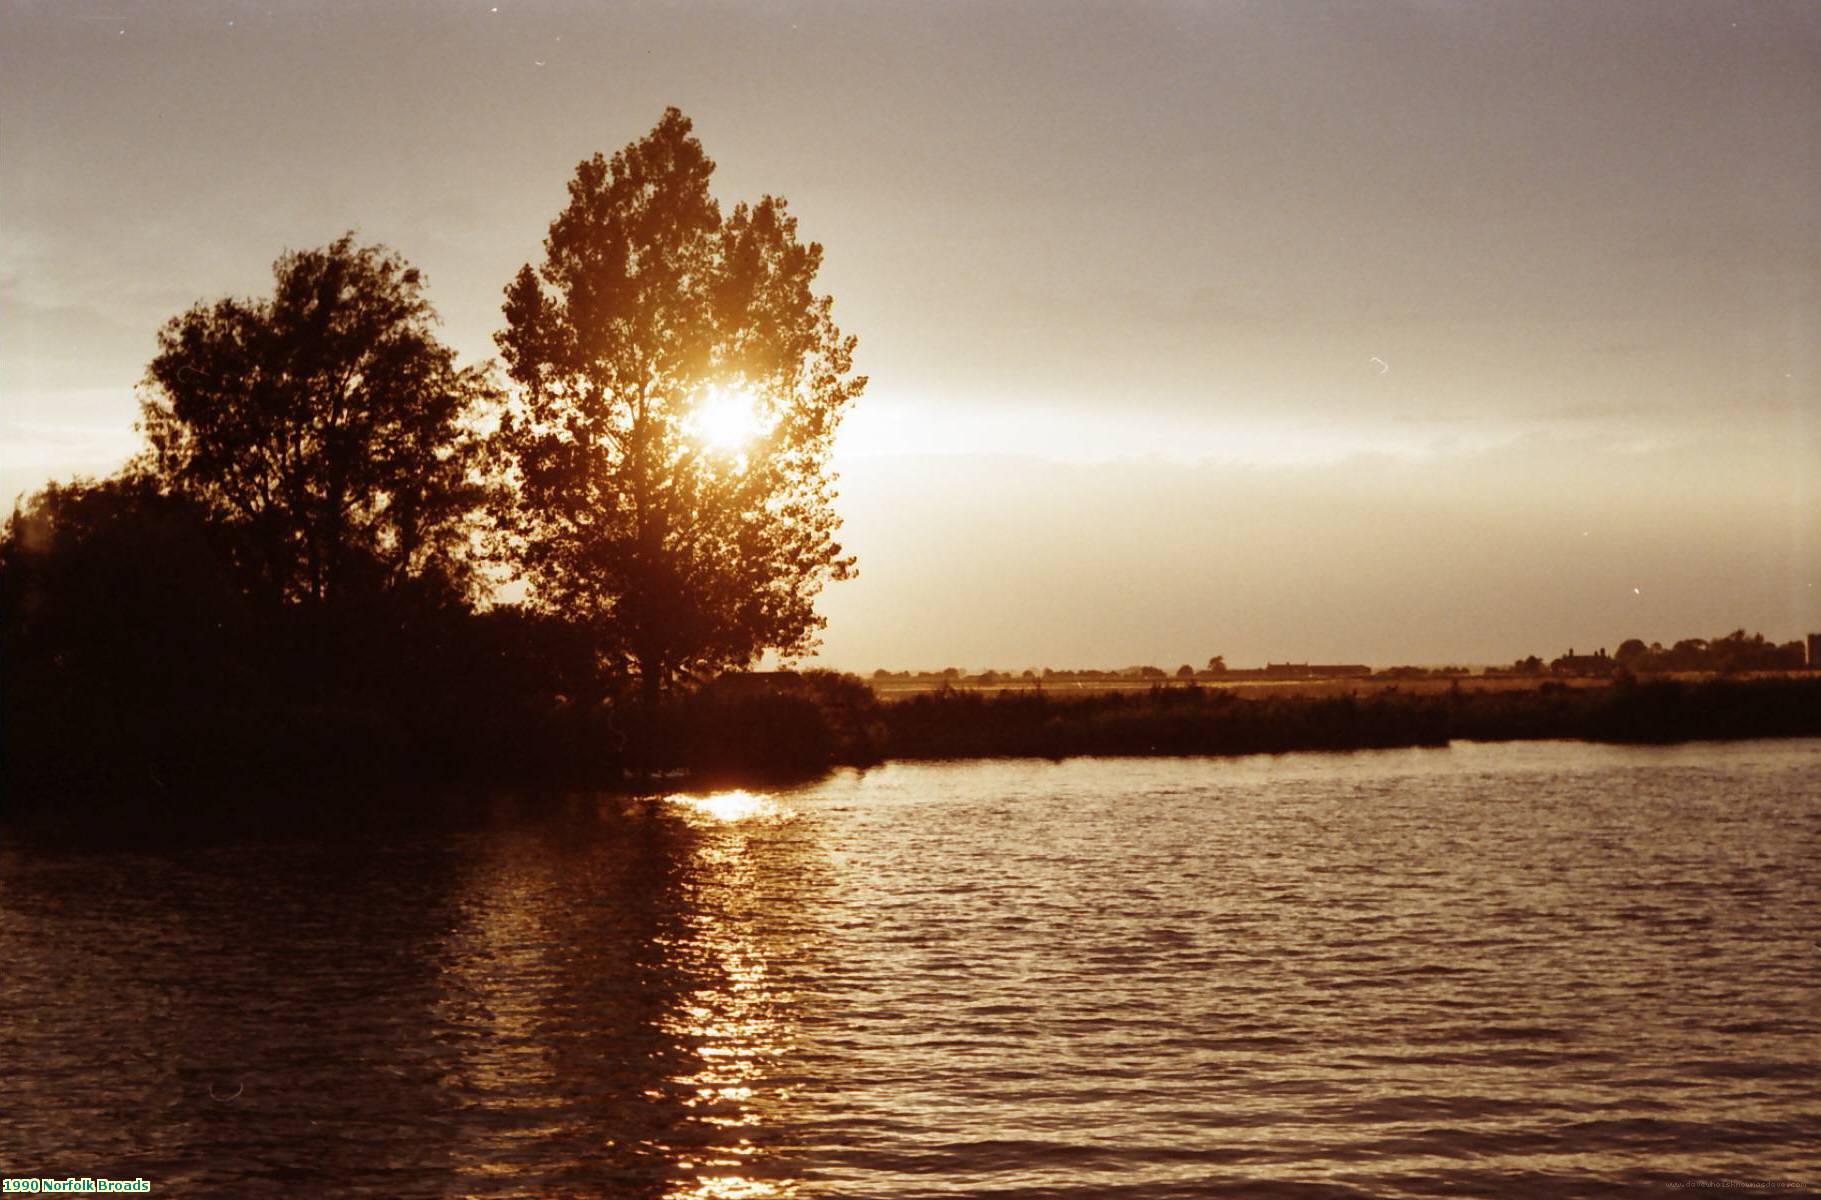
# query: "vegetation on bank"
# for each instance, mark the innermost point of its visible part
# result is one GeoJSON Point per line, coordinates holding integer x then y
{"type": "Point", "coordinates": [338, 495]}
{"type": "Point", "coordinates": [299, 573]}
{"type": "Point", "coordinates": [746, 726]}
{"type": "Point", "coordinates": [298, 577]}
{"type": "Point", "coordinates": [1215, 721]}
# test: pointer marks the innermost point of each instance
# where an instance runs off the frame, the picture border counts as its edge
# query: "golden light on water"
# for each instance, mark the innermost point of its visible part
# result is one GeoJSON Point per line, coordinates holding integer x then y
{"type": "Point", "coordinates": [736, 805]}
{"type": "Point", "coordinates": [730, 1187]}
{"type": "Point", "coordinates": [735, 1021]}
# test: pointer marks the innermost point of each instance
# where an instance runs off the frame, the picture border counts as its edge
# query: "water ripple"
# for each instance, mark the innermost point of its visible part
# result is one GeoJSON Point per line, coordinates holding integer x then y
{"type": "Point", "coordinates": [1532, 970]}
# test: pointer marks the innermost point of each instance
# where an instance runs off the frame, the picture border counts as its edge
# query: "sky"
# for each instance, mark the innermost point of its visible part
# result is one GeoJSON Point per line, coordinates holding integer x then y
{"type": "Point", "coordinates": [1392, 333]}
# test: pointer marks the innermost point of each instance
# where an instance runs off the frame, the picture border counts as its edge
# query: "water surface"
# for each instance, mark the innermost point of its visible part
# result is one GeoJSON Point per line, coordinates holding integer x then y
{"type": "Point", "coordinates": [1543, 969]}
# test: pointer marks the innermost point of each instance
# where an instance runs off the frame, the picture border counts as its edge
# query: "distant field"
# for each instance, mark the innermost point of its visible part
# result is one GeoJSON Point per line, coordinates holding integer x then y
{"type": "Point", "coordinates": [890, 689]}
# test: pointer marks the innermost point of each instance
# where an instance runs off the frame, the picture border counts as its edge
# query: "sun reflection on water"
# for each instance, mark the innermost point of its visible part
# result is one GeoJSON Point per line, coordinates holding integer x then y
{"type": "Point", "coordinates": [664, 996]}
{"type": "Point", "coordinates": [732, 1187]}
{"type": "Point", "coordinates": [736, 805]}
{"type": "Point", "coordinates": [737, 1021]}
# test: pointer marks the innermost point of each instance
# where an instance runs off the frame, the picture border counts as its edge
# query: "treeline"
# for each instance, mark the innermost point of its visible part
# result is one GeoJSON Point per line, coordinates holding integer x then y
{"type": "Point", "coordinates": [1199, 720]}
{"type": "Point", "coordinates": [136, 656]}
{"type": "Point", "coordinates": [294, 579]}
{"type": "Point", "coordinates": [181, 718]}
{"type": "Point", "coordinates": [295, 575]}
{"type": "Point", "coordinates": [138, 659]}
{"type": "Point", "coordinates": [1731, 653]}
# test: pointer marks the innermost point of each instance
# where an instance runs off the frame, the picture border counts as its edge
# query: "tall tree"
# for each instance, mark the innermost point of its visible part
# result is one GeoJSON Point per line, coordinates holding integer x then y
{"type": "Point", "coordinates": [325, 430]}
{"type": "Point", "coordinates": [679, 389]}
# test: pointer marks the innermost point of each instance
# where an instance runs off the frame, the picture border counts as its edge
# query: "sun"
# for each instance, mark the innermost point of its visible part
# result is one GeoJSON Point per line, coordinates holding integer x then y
{"type": "Point", "coordinates": [727, 418]}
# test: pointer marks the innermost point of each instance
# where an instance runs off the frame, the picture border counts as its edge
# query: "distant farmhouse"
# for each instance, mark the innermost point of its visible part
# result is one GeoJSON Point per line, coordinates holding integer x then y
{"type": "Point", "coordinates": [1315, 670]}
{"type": "Point", "coordinates": [1584, 664]}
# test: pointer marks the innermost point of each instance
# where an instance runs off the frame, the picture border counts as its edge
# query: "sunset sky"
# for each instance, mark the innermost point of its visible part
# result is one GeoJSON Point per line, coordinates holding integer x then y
{"type": "Point", "coordinates": [1397, 332]}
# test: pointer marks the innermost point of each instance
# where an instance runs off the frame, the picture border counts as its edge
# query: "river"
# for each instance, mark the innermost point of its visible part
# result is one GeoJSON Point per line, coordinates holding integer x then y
{"type": "Point", "coordinates": [1527, 969]}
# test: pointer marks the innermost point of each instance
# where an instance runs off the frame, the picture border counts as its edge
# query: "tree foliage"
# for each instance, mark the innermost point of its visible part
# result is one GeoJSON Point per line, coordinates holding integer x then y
{"type": "Point", "coordinates": [117, 618]}
{"type": "Point", "coordinates": [325, 431]}
{"type": "Point", "coordinates": [650, 314]}
{"type": "Point", "coordinates": [138, 664]}
{"type": "Point", "coordinates": [112, 589]}
{"type": "Point", "coordinates": [1735, 651]}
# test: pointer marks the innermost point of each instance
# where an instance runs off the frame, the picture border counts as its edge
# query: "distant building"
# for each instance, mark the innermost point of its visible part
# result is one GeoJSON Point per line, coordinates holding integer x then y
{"type": "Point", "coordinates": [1315, 670]}
{"type": "Point", "coordinates": [1584, 664]}
{"type": "Point", "coordinates": [1814, 650]}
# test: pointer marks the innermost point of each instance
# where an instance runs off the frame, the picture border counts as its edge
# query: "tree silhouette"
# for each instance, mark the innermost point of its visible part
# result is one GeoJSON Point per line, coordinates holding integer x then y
{"type": "Point", "coordinates": [324, 430]}
{"type": "Point", "coordinates": [1630, 651]}
{"type": "Point", "coordinates": [679, 388]}
{"type": "Point", "coordinates": [118, 622]}
{"type": "Point", "coordinates": [111, 589]}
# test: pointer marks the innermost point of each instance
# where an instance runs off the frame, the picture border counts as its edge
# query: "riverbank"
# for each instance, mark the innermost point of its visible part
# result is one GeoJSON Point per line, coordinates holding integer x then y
{"type": "Point", "coordinates": [1175, 721]}
{"type": "Point", "coordinates": [804, 724]}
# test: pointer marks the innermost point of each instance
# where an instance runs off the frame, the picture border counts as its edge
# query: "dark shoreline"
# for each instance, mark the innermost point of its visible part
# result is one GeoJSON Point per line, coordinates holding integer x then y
{"type": "Point", "coordinates": [1212, 721]}
{"type": "Point", "coordinates": [801, 726]}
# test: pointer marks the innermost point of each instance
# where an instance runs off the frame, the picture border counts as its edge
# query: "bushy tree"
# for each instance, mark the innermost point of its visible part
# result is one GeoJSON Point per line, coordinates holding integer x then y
{"type": "Point", "coordinates": [110, 580]}
{"type": "Point", "coordinates": [679, 385]}
{"type": "Point", "coordinates": [325, 431]}
{"type": "Point", "coordinates": [117, 618]}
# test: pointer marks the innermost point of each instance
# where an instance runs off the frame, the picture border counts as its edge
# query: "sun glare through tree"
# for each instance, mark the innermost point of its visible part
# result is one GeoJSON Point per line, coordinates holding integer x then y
{"type": "Point", "coordinates": [727, 418]}
{"type": "Point", "coordinates": [1332, 705]}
